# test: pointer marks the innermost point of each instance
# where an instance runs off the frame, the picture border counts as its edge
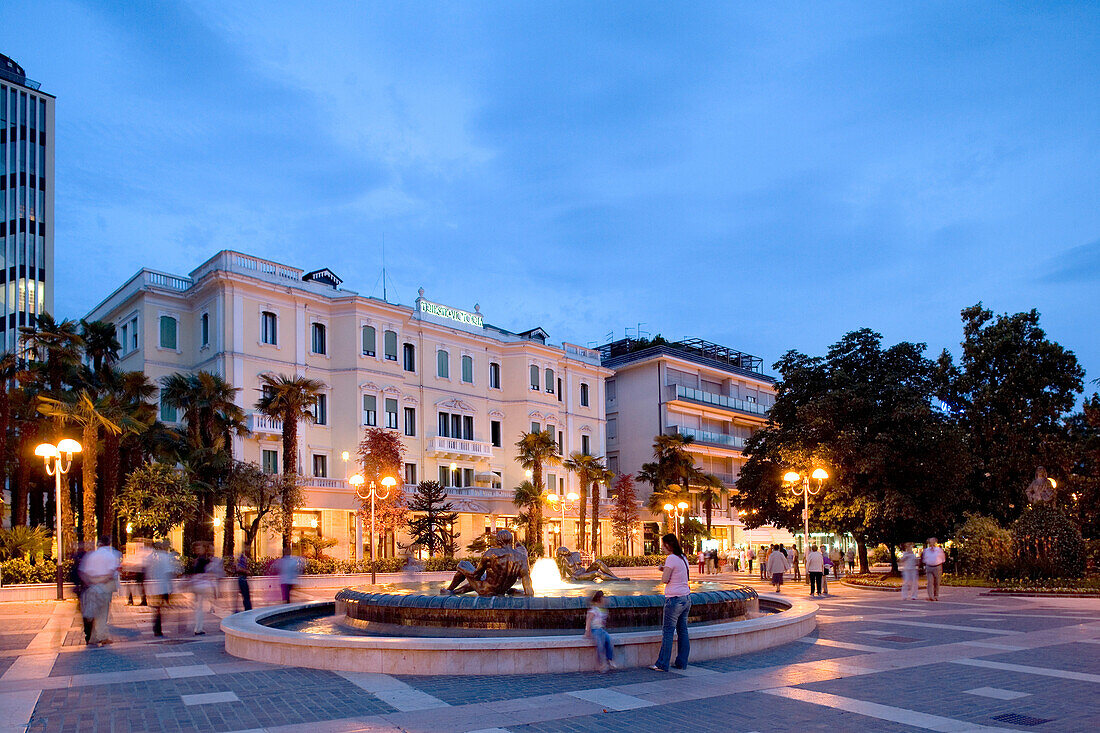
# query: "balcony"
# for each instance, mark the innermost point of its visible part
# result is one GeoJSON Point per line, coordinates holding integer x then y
{"type": "Point", "coordinates": [705, 437]}
{"type": "Point", "coordinates": [262, 424]}
{"type": "Point", "coordinates": [324, 483]}
{"type": "Point", "coordinates": [458, 448]}
{"type": "Point", "coordinates": [699, 397]}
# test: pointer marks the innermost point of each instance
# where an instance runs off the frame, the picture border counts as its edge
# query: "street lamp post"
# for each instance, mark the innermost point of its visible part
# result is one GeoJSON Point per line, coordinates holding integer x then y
{"type": "Point", "coordinates": [804, 490]}
{"type": "Point", "coordinates": [570, 502]}
{"type": "Point", "coordinates": [677, 514]}
{"type": "Point", "coordinates": [62, 460]}
{"type": "Point", "coordinates": [372, 493]}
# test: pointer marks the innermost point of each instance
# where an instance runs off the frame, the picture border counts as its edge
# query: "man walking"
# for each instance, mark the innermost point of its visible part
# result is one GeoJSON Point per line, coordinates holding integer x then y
{"type": "Point", "coordinates": [99, 571]}
{"type": "Point", "coordinates": [933, 558]}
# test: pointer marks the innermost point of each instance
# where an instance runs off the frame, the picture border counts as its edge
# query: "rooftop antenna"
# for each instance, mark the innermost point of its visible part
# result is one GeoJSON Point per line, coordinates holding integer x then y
{"type": "Point", "coordinates": [384, 268]}
{"type": "Point", "coordinates": [640, 331]}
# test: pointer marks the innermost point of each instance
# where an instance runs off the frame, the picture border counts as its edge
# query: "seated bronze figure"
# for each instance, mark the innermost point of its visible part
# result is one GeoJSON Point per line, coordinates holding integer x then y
{"type": "Point", "coordinates": [572, 568]}
{"type": "Point", "coordinates": [497, 571]}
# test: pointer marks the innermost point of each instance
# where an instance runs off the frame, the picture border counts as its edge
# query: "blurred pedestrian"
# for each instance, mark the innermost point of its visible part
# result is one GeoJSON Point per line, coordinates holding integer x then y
{"type": "Point", "coordinates": [99, 571]}
{"type": "Point", "coordinates": [202, 577]}
{"type": "Point", "coordinates": [240, 567]}
{"type": "Point", "coordinates": [750, 556]}
{"type": "Point", "coordinates": [701, 558]}
{"type": "Point", "coordinates": [777, 565]}
{"type": "Point", "coordinates": [908, 565]}
{"type": "Point", "coordinates": [828, 567]}
{"type": "Point", "coordinates": [595, 628]}
{"type": "Point", "coordinates": [837, 559]}
{"type": "Point", "coordinates": [78, 586]}
{"type": "Point", "coordinates": [161, 570]}
{"type": "Point", "coordinates": [133, 569]}
{"type": "Point", "coordinates": [289, 570]}
{"type": "Point", "coordinates": [933, 558]}
{"type": "Point", "coordinates": [850, 556]}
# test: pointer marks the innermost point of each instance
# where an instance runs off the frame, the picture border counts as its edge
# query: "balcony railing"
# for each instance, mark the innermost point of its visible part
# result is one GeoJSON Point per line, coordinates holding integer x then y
{"type": "Point", "coordinates": [679, 392]}
{"type": "Point", "coordinates": [261, 423]}
{"type": "Point", "coordinates": [459, 447]}
{"type": "Point", "coordinates": [164, 280]}
{"type": "Point", "coordinates": [706, 436]}
{"type": "Point", "coordinates": [324, 483]}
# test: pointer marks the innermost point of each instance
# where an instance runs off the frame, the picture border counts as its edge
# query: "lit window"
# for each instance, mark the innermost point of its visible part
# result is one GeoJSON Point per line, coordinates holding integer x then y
{"type": "Point", "coordinates": [167, 332]}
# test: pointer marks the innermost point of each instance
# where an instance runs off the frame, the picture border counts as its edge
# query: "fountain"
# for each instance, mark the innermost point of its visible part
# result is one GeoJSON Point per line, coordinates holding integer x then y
{"type": "Point", "coordinates": [499, 616]}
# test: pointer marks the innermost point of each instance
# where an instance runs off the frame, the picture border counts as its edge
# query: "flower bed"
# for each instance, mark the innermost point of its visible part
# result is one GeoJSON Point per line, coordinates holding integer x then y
{"type": "Point", "coordinates": [893, 582]}
{"type": "Point", "coordinates": [1051, 587]}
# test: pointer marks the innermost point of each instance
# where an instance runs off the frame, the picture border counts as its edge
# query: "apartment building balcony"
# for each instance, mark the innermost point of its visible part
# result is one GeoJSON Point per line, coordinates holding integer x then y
{"type": "Point", "coordinates": [706, 437]}
{"type": "Point", "coordinates": [458, 448]}
{"type": "Point", "coordinates": [727, 478]}
{"type": "Point", "coordinates": [263, 424]}
{"type": "Point", "coordinates": [316, 482]}
{"type": "Point", "coordinates": [691, 396]}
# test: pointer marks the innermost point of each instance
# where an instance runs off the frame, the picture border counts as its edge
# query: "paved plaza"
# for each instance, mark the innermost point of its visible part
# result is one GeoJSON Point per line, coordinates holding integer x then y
{"type": "Point", "coordinates": [969, 662]}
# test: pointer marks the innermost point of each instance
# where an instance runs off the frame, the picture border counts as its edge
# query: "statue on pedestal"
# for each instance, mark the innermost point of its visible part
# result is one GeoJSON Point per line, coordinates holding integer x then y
{"type": "Point", "coordinates": [1042, 489]}
{"type": "Point", "coordinates": [573, 568]}
{"type": "Point", "coordinates": [498, 570]}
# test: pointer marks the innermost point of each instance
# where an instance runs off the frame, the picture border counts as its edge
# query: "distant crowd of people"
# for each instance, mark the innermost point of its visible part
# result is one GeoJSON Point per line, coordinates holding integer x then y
{"type": "Point", "coordinates": [156, 575]}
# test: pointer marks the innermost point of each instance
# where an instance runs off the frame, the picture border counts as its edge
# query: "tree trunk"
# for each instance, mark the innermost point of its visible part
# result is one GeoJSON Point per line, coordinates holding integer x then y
{"type": "Point", "coordinates": [111, 459]}
{"type": "Point", "coordinates": [582, 516]}
{"type": "Point", "coordinates": [21, 490]}
{"type": "Point", "coordinates": [893, 559]}
{"type": "Point", "coordinates": [536, 508]}
{"type": "Point", "coordinates": [68, 525]}
{"type": "Point", "coordinates": [595, 518]}
{"type": "Point", "coordinates": [290, 469]}
{"type": "Point", "coordinates": [708, 506]}
{"type": "Point", "coordinates": [90, 439]}
{"type": "Point", "coordinates": [861, 550]}
{"type": "Point", "coordinates": [228, 525]}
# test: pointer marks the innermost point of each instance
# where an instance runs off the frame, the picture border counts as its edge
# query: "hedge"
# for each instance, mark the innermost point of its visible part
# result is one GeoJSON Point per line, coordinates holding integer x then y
{"type": "Point", "coordinates": [18, 570]}
{"type": "Point", "coordinates": [632, 561]}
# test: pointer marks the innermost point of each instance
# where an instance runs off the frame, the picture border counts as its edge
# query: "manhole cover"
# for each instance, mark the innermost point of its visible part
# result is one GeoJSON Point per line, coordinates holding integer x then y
{"type": "Point", "coordinates": [173, 642]}
{"type": "Point", "coordinates": [899, 639]}
{"type": "Point", "coordinates": [1018, 719]}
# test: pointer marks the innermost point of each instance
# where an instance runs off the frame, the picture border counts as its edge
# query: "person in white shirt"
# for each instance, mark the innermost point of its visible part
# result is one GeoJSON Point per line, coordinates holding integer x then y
{"type": "Point", "coordinates": [777, 564]}
{"type": "Point", "coordinates": [815, 568]}
{"type": "Point", "coordinates": [933, 558]}
{"type": "Point", "coordinates": [908, 565]}
{"type": "Point", "coordinates": [99, 571]}
{"type": "Point", "coordinates": [674, 574]}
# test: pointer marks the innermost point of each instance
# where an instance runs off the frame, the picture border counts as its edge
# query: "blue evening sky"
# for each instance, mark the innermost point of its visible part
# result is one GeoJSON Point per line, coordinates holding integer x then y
{"type": "Point", "coordinates": [767, 176]}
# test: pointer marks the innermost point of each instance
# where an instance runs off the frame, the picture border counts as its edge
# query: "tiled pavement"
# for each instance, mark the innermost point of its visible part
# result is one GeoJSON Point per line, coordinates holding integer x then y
{"type": "Point", "coordinates": [873, 664]}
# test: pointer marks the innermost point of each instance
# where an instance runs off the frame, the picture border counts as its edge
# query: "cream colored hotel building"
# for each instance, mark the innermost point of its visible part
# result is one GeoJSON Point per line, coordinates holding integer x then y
{"type": "Point", "coordinates": [458, 390]}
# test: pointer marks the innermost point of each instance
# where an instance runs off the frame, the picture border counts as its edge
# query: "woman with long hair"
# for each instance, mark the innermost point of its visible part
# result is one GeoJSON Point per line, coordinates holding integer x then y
{"type": "Point", "coordinates": [674, 574]}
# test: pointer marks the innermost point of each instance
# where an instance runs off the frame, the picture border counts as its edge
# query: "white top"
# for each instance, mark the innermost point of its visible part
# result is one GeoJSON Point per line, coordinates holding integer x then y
{"type": "Point", "coordinates": [908, 560]}
{"type": "Point", "coordinates": [777, 562]}
{"type": "Point", "coordinates": [815, 563]}
{"type": "Point", "coordinates": [100, 563]}
{"type": "Point", "coordinates": [933, 556]}
{"type": "Point", "coordinates": [597, 617]}
{"type": "Point", "coordinates": [289, 569]}
{"type": "Point", "coordinates": [677, 584]}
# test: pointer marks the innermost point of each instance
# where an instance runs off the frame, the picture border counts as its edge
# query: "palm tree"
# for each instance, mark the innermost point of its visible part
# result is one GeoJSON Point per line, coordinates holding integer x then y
{"type": "Point", "coordinates": [528, 497]}
{"type": "Point", "coordinates": [100, 345]}
{"type": "Point", "coordinates": [291, 400]}
{"type": "Point", "coordinates": [584, 466]}
{"type": "Point", "coordinates": [89, 412]}
{"type": "Point", "coordinates": [602, 476]}
{"type": "Point", "coordinates": [712, 493]}
{"type": "Point", "coordinates": [54, 351]}
{"type": "Point", "coordinates": [536, 450]}
{"type": "Point", "coordinates": [129, 398]}
{"type": "Point", "coordinates": [9, 368]}
{"type": "Point", "coordinates": [668, 474]}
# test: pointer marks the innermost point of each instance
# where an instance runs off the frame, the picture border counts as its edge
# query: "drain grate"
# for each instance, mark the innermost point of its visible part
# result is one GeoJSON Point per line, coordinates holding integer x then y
{"type": "Point", "coordinates": [1018, 719]}
{"type": "Point", "coordinates": [174, 642]}
{"type": "Point", "coordinates": [898, 639]}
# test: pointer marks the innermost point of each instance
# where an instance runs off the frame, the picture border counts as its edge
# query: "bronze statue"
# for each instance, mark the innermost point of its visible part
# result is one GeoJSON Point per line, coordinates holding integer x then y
{"type": "Point", "coordinates": [571, 567]}
{"type": "Point", "coordinates": [1042, 488]}
{"type": "Point", "coordinates": [499, 569]}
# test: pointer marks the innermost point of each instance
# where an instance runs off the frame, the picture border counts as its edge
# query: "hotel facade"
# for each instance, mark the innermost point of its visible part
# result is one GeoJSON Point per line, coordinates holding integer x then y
{"type": "Point", "coordinates": [457, 390]}
{"type": "Point", "coordinates": [713, 394]}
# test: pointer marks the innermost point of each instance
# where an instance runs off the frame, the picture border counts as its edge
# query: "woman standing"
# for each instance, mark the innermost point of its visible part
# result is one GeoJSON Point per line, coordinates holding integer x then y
{"type": "Point", "coordinates": [815, 568]}
{"type": "Point", "coordinates": [674, 574]}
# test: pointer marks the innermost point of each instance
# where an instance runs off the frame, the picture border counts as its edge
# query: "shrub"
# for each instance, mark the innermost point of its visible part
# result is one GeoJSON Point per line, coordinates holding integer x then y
{"type": "Point", "coordinates": [633, 561]}
{"type": "Point", "coordinates": [1047, 544]}
{"type": "Point", "coordinates": [985, 547]}
{"type": "Point", "coordinates": [879, 555]}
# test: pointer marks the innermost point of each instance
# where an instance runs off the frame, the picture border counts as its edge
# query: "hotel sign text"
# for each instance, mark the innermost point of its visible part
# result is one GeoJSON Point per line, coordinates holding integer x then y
{"type": "Point", "coordinates": [454, 314]}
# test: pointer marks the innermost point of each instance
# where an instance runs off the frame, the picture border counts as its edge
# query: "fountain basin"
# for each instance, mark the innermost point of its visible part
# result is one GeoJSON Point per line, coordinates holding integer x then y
{"type": "Point", "coordinates": [253, 635]}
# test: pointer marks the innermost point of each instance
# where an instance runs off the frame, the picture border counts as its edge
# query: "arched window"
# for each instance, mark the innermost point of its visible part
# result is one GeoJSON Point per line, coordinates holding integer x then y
{"type": "Point", "coordinates": [442, 364]}
{"type": "Point", "coordinates": [534, 377]}
{"type": "Point", "coordinates": [549, 381]}
{"type": "Point", "coordinates": [584, 395]}
{"type": "Point", "coordinates": [390, 339]}
{"type": "Point", "coordinates": [468, 369]}
{"type": "Point", "coordinates": [494, 375]}
{"type": "Point", "coordinates": [368, 341]}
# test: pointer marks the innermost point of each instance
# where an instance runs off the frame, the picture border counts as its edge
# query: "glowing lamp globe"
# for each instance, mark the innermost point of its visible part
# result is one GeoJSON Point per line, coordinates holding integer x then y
{"type": "Point", "coordinates": [572, 496]}
{"type": "Point", "coordinates": [45, 450]}
{"type": "Point", "coordinates": [820, 474]}
{"type": "Point", "coordinates": [790, 477]}
{"type": "Point", "coordinates": [68, 445]}
{"type": "Point", "coordinates": [389, 481]}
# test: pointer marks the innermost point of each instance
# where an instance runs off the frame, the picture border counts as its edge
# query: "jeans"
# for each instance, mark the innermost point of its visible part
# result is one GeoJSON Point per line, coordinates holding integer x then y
{"type": "Point", "coordinates": [246, 597]}
{"type": "Point", "coordinates": [160, 601]}
{"type": "Point", "coordinates": [604, 648]}
{"type": "Point", "coordinates": [815, 583]}
{"type": "Point", "coordinates": [675, 621]}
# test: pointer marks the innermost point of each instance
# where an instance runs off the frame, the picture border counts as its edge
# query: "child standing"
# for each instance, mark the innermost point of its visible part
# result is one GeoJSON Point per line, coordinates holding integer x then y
{"type": "Point", "coordinates": [595, 628]}
{"type": "Point", "coordinates": [908, 564]}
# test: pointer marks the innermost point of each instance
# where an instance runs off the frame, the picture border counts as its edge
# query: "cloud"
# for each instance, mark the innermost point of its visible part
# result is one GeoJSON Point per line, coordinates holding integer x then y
{"type": "Point", "coordinates": [1080, 264]}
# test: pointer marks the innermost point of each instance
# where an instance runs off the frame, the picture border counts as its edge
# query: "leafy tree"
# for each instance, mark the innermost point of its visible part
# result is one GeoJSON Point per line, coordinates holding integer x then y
{"type": "Point", "coordinates": [1010, 391]}
{"type": "Point", "coordinates": [711, 494]}
{"type": "Point", "coordinates": [23, 542]}
{"type": "Point", "coordinates": [897, 466]}
{"type": "Point", "coordinates": [536, 451]}
{"type": "Point", "coordinates": [381, 454]}
{"type": "Point", "coordinates": [156, 498]}
{"type": "Point", "coordinates": [433, 517]}
{"type": "Point", "coordinates": [624, 513]}
{"type": "Point", "coordinates": [290, 399]}
{"type": "Point", "coordinates": [1047, 543]}
{"type": "Point", "coordinates": [983, 544]}
{"type": "Point", "coordinates": [127, 404]}
{"type": "Point", "coordinates": [1081, 492]}
{"type": "Point", "coordinates": [603, 476]}
{"type": "Point", "coordinates": [101, 345]}
{"type": "Point", "coordinates": [250, 488]}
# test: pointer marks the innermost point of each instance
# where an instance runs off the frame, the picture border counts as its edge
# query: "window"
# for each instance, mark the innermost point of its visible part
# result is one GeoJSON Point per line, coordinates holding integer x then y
{"type": "Point", "coordinates": [549, 381]}
{"type": "Point", "coordinates": [408, 352]}
{"type": "Point", "coordinates": [410, 421]}
{"type": "Point", "coordinates": [124, 341]}
{"type": "Point", "coordinates": [612, 428]}
{"type": "Point", "coordinates": [494, 375]}
{"type": "Point", "coordinates": [586, 445]}
{"type": "Point", "coordinates": [318, 342]}
{"type": "Point", "coordinates": [497, 480]}
{"type": "Point", "coordinates": [561, 444]}
{"type": "Point", "coordinates": [442, 364]}
{"type": "Point", "coordinates": [534, 427]}
{"type": "Point", "coordinates": [391, 414]}
{"type": "Point", "coordinates": [584, 395]}
{"type": "Point", "coordinates": [534, 378]}
{"type": "Point", "coordinates": [456, 426]}
{"type": "Point", "coordinates": [559, 389]}
{"type": "Point", "coordinates": [167, 412]}
{"type": "Point", "coordinates": [468, 369]}
{"type": "Point", "coordinates": [133, 334]}
{"type": "Point", "coordinates": [610, 390]}
{"type": "Point", "coordinates": [320, 466]}
{"type": "Point", "coordinates": [494, 434]}
{"type": "Point", "coordinates": [444, 425]}
{"type": "Point", "coordinates": [410, 474]}
{"type": "Point", "coordinates": [269, 328]}
{"type": "Point", "coordinates": [552, 482]}
{"type": "Point", "coordinates": [467, 427]}
{"type": "Point", "coordinates": [467, 477]}
{"type": "Point", "coordinates": [447, 477]}
{"type": "Point", "coordinates": [270, 461]}
{"type": "Point", "coordinates": [370, 410]}
{"type": "Point", "coordinates": [320, 410]}
{"type": "Point", "coordinates": [167, 332]}
{"type": "Point", "coordinates": [613, 464]}
{"type": "Point", "coordinates": [368, 340]}
{"type": "Point", "coordinates": [390, 339]}
{"type": "Point", "coordinates": [204, 329]}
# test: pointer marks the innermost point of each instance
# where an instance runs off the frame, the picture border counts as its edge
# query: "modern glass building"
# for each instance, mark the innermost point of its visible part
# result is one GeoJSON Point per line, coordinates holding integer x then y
{"type": "Point", "coordinates": [26, 201]}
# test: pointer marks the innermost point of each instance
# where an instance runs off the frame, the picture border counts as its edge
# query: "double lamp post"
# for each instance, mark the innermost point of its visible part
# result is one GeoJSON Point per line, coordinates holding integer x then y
{"type": "Point", "coordinates": [59, 459]}
{"type": "Point", "coordinates": [372, 493]}
{"type": "Point", "coordinates": [800, 486]}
